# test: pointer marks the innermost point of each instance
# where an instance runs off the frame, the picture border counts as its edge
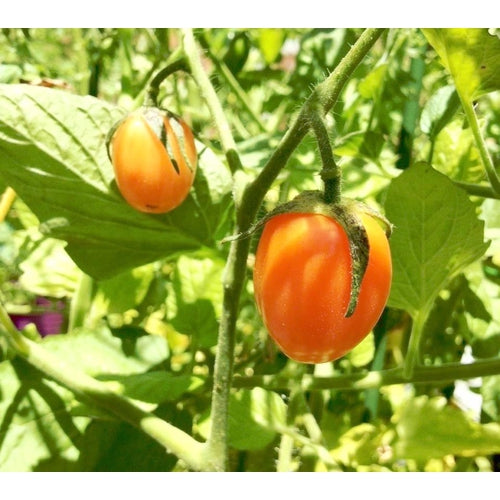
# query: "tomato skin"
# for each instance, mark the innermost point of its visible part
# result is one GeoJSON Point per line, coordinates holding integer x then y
{"type": "Point", "coordinates": [145, 173]}
{"type": "Point", "coordinates": [302, 284]}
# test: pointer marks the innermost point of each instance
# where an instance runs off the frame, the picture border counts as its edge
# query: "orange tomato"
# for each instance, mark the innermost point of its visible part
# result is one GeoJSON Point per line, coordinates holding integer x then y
{"type": "Point", "coordinates": [152, 176]}
{"type": "Point", "coordinates": [302, 283]}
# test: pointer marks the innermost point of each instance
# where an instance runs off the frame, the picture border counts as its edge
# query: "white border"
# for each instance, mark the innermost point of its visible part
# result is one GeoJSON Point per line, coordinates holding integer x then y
{"type": "Point", "coordinates": [251, 13]}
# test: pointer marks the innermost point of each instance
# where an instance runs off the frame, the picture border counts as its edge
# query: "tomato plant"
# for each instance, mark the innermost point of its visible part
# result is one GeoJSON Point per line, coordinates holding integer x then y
{"type": "Point", "coordinates": [302, 281]}
{"type": "Point", "coordinates": [187, 342]}
{"type": "Point", "coordinates": [151, 175]}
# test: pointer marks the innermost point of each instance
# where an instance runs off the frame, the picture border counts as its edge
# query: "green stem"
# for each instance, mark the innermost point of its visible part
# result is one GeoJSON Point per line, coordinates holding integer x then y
{"type": "Point", "coordinates": [233, 279]}
{"type": "Point", "coordinates": [235, 270]}
{"type": "Point", "coordinates": [481, 145]}
{"type": "Point", "coordinates": [330, 173]}
{"type": "Point", "coordinates": [285, 452]}
{"type": "Point", "coordinates": [325, 95]}
{"type": "Point", "coordinates": [80, 303]}
{"type": "Point", "coordinates": [478, 190]}
{"type": "Point", "coordinates": [103, 395]}
{"type": "Point", "coordinates": [210, 96]}
{"type": "Point", "coordinates": [151, 98]}
{"type": "Point", "coordinates": [412, 354]}
{"type": "Point", "coordinates": [440, 374]}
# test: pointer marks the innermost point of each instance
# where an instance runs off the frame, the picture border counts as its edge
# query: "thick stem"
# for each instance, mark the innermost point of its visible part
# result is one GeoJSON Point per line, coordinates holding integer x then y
{"type": "Point", "coordinates": [103, 395]}
{"type": "Point", "coordinates": [233, 280]}
{"type": "Point", "coordinates": [325, 96]}
{"type": "Point", "coordinates": [252, 198]}
{"type": "Point", "coordinates": [481, 145]}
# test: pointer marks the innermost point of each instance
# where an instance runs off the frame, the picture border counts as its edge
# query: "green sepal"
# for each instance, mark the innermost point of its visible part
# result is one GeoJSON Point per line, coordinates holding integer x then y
{"type": "Point", "coordinates": [110, 134]}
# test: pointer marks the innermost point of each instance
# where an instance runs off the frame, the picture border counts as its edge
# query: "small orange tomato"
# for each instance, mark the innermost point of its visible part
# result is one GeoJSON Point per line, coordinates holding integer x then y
{"type": "Point", "coordinates": [302, 283]}
{"type": "Point", "coordinates": [154, 171]}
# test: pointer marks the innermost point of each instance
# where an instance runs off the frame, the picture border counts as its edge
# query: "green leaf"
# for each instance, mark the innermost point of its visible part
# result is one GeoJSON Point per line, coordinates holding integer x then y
{"type": "Point", "coordinates": [52, 152]}
{"type": "Point", "coordinates": [365, 144]}
{"type": "Point", "coordinates": [36, 431]}
{"type": "Point", "coordinates": [436, 235]}
{"type": "Point", "coordinates": [122, 292]}
{"type": "Point", "coordinates": [371, 86]}
{"type": "Point", "coordinates": [122, 448]}
{"type": "Point", "coordinates": [270, 42]}
{"type": "Point", "coordinates": [195, 302]}
{"type": "Point", "coordinates": [490, 391]}
{"type": "Point", "coordinates": [156, 387]}
{"type": "Point", "coordinates": [255, 418]}
{"type": "Point", "coordinates": [471, 55]}
{"type": "Point", "coordinates": [439, 110]}
{"type": "Point", "coordinates": [456, 155]}
{"type": "Point", "coordinates": [49, 271]}
{"type": "Point", "coordinates": [363, 353]}
{"type": "Point", "coordinates": [429, 428]}
{"type": "Point", "coordinates": [98, 352]}
{"type": "Point", "coordinates": [360, 445]}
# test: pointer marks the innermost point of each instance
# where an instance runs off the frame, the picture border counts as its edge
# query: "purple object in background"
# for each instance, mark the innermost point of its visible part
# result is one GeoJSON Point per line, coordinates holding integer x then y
{"type": "Point", "coordinates": [48, 322]}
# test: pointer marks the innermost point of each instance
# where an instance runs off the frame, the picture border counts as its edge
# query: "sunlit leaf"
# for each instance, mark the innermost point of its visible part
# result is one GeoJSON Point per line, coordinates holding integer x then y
{"type": "Point", "coordinates": [472, 57]}
{"type": "Point", "coordinates": [37, 430]}
{"type": "Point", "coordinates": [455, 153]}
{"type": "Point", "coordinates": [255, 418]}
{"type": "Point", "coordinates": [439, 110]}
{"type": "Point", "coordinates": [270, 42]}
{"type": "Point", "coordinates": [429, 428]}
{"type": "Point", "coordinates": [436, 234]}
{"type": "Point", "coordinates": [53, 153]}
{"type": "Point", "coordinates": [195, 299]}
{"type": "Point", "coordinates": [122, 292]}
{"type": "Point", "coordinates": [371, 86]}
{"type": "Point", "coordinates": [48, 270]}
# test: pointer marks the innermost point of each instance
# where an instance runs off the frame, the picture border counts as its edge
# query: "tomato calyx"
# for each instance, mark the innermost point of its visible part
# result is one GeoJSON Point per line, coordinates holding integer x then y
{"type": "Point", "coordinates": [164, 124]}
{"type": "Point", "coordinates": [347, 212]}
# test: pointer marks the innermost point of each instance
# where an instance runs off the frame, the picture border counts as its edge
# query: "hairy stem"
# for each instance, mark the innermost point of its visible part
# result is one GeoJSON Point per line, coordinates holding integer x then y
{"type": "Point", "coordinates": [330, 173]}
{"type": "Point", "coordinates": [322, 99]}
{"type": "Point", "coordinates": [234, 276]}
{"type": "Point", "coordinates": [233, 281]}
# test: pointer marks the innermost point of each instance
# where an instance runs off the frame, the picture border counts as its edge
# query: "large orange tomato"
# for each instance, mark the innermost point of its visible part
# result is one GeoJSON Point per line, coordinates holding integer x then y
{"type": "Point", "coordinates": [302, 281]}
{"type": "Point", "coordinates": [151, 175]}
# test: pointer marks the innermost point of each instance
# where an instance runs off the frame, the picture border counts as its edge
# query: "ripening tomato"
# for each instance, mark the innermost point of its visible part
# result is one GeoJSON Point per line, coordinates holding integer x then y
{"type": "Point", "coordinates": [302, 281]}
{"type": "Point", "coordinates": [151, 175]}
